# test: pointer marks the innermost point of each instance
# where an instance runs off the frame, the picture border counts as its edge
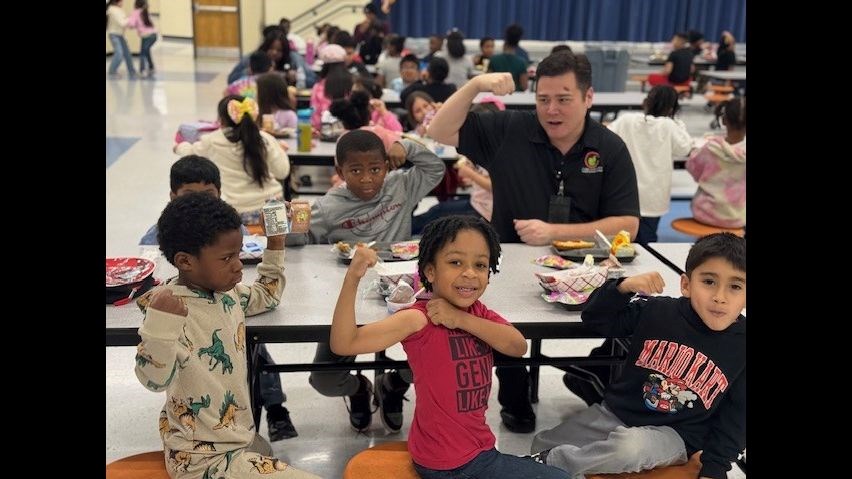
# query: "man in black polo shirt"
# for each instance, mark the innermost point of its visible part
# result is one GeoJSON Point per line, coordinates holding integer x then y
{"type": "Point", "coordinates": [556, 174]}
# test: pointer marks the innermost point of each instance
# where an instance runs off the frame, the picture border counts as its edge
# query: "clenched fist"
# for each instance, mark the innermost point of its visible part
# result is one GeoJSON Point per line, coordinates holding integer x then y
{"type": "Point", "coordinates": [163, 300]}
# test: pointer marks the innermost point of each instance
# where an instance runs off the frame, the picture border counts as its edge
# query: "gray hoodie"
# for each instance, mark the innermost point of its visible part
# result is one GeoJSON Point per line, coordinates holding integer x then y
{"type": "Point", "coordinates": [341, 216]}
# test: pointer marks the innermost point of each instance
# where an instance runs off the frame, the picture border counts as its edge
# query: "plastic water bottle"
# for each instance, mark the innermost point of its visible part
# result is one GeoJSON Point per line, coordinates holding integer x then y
{"type": "Point", "coordinates": [300, 78]}
{"type": "Point", "coordinates": [305, 131]}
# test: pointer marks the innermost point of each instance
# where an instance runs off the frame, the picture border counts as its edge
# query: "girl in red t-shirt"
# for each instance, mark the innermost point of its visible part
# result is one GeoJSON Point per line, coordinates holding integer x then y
{"type": "Point", "coordinates": [449, 341]}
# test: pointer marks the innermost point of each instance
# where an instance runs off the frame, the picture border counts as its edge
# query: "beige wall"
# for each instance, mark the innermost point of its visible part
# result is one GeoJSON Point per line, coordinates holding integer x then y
{"type": "Point", "coordinates": [130, 35]}
{"type": "Point", "coordinates": [275, 9]}
{"type": "Point", "coordinates": [154, 6]}
{"type": "Point", "coordinates": [251, 24]}
{"type": "Point", "coordinates": [176, 18]}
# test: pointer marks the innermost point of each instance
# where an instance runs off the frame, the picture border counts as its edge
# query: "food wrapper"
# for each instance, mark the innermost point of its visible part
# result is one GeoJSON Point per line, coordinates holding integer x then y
{"type": "Point", "coordinates": [401, 293]}
{"type": "Point", "coordinates": [554, 261]}
{"type": "Point", "coordinates": [582, 279]}
{"type": "Point", "coordinates": [569, 297]}
{"type": "Point", "coordinates": [406, 249]}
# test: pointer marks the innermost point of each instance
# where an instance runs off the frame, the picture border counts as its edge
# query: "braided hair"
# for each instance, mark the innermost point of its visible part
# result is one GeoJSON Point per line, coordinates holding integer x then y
{"type": "Point", "coordinates": [443, 230]}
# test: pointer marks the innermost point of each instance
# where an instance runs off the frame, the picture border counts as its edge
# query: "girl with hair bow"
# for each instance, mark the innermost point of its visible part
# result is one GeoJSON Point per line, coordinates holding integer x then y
{"type": "Point", "coordinates": [251, 161]}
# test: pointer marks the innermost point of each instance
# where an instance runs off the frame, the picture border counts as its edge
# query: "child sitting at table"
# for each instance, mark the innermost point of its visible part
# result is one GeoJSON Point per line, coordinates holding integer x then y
{"type": "Point", "coordinates": [683, 386]}
{"type": "Point", "coordinates": [449, 341]}
{"type": "Point", "coordinates": [719, 168]}
{"type": "Point", "coordinates": [654, 139]}
{"type": "Point", "coordinates": [193, 342]}
{"type": "Point", "coordinates": [196, 174]}
{"type": "Point", "coordinates": [374, 206]}
{"type": "Point", "coordinates": [251, 161]}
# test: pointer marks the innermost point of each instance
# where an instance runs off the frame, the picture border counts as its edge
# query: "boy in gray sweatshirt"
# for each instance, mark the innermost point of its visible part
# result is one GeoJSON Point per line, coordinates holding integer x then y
{"type": "Point", "coordinates": [376, 205]}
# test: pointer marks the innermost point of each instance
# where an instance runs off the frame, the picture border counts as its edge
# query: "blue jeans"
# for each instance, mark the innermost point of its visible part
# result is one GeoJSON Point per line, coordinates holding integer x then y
{"type": "Point", "coordinates": [270, 383]}
{"type": "Point", "coordinates": [145, 52]}
{"type": "Point", "coordinates": [493, 464]}
{"type": "Point", "coordinates": [120, 51]}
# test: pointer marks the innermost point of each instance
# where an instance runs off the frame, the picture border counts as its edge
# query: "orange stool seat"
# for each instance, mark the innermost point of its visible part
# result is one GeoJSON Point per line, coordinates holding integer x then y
{"type": "Point", "coordinates": [683, 90]}
{"type": "Point", "coordinates": [389, 460]}
{"type": "Point", "coordinates": [690, 469]}
{"type": "Point", "coordinates": [148, 465]}
{"type": "Point", "coordinates": [255, 229]}
{"type": "Point", "coordinates": [694, 228]}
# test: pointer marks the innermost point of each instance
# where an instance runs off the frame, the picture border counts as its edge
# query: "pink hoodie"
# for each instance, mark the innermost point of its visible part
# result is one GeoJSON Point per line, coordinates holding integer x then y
{"type": "Point", "coordinates": [720, 170]}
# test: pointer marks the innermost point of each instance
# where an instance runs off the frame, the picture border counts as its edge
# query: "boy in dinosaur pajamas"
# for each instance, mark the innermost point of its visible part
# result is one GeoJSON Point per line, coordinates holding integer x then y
{"type": "Point", "coordinates": [193, 342]}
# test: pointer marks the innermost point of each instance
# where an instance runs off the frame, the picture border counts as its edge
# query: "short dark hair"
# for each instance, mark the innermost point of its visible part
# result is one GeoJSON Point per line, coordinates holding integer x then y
{"type": "Point", "coordinates": [560, 48]}
{"type": "Point", "coordinates": [484, 40]}
{"type": "Point", "coordinates": [513, 35]}
{"type": "Point", "coordinates": [192, 221]}
{"type": "Point", "coordinates": [344, 39]}
{"type": "Point", "coordinates": [563, 62]}
{"type": "Point", "coordinates": [360, 141]}
{"type": "Point", "coordinates": [438, 70]}
{"type": "Point", "coordinates": [410, 58]}
{"type": "Point", "coordinates": [194, 169]}
{"type": "Point", "coordinates": [370, 8]}
{"type": "Point", "coordinates": [727, 246]}
{"type": "Point", "coordinates": [259, 62]}
{"type": "Point", "coordinates": [444, 230]}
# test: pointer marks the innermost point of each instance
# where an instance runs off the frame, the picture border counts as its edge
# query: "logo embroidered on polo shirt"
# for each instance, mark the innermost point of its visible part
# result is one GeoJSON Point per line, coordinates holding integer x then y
{"type": "Point", "coordinates": [592, 163]}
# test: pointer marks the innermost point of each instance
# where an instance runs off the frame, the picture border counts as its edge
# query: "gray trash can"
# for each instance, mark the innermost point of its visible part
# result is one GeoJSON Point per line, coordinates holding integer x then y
{"type": "Point", "coordinates": [609, 68]}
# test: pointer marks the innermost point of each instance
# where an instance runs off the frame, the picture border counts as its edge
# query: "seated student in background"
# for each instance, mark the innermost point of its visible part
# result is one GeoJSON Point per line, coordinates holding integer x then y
{"type": "Point", "coordinates": [481, 200]}
{"type": "Point", "coordinates": [726, 58]}
{"type": "Point", "coordinates": [379, 114]}
{"type": "Point", "coordinates": [420, 108]}
{"type": "Point", "coordinates": [683, 386]}
{"type": "Point", "coordinates": [246, 86]}
{"type": "Point", "coordinates": [434, 85]}
{"type": "Point", "coordinates": [273, 99]}
{"type": "Point", "coordinates": [678, 68]}
{"type": "Point", "coordinates": [196, 174]}
{"type": "Point", "coordinates": [354, 62]}
{"type": "Point", "coordinates": [654, 139]}
{"type": "Point", "coordinates": [388, 69]}
{"type": "Point", "coordinates": [719, 168]}
{"type": "Point", "coordinates": [335, 82]}
{"type": "Point", "coordinates": [511, 63]}
{"type": "Point", "coordinates": [409, 73]}
{"type": "Point", "coordinates": [461, 67]}
{"type": "Point", "coordinates": [251, 161]}
{"type": "Point", "coordinates": [486, 49]}
{"type": "Point", "coordinates": [374, 206]}
{"type": "Point", "coordinates": [449, 437]}
{"type": "Point", "coordinates": [436, 44]}
{"type": "Point", "coordinates": [354, 113]}
{"type": "Point", "coordinates": [193, 342]}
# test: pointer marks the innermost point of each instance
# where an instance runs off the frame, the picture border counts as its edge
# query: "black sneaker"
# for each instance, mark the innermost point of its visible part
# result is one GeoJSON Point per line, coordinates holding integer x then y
{"type": "Point", "coordinates": [280, 426]}
{"type": "Point", "coordinates": [360, 413]}
{"type": "Point", "coordinates": [389, 400]}
{"type": "Point", "coordinates": [521, 420]}
{"type": "Point", "coordinates": [539, 457]}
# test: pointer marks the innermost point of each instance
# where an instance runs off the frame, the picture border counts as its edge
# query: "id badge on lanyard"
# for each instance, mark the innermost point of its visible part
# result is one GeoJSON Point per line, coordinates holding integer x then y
{"type": "Point", "coordinates": [560, 205]}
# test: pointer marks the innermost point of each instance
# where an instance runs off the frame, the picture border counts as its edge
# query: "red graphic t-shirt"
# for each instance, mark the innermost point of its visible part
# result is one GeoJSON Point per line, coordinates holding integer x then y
{"type": "Point", "coordinates": [452, 381]}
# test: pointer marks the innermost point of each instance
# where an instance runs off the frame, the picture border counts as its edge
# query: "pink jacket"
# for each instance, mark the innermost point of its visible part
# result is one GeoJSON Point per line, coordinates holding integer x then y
{"type": "Point", "coordinates": [720, 170]}
{"type": "Point", "coordinates": [135, 21]}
